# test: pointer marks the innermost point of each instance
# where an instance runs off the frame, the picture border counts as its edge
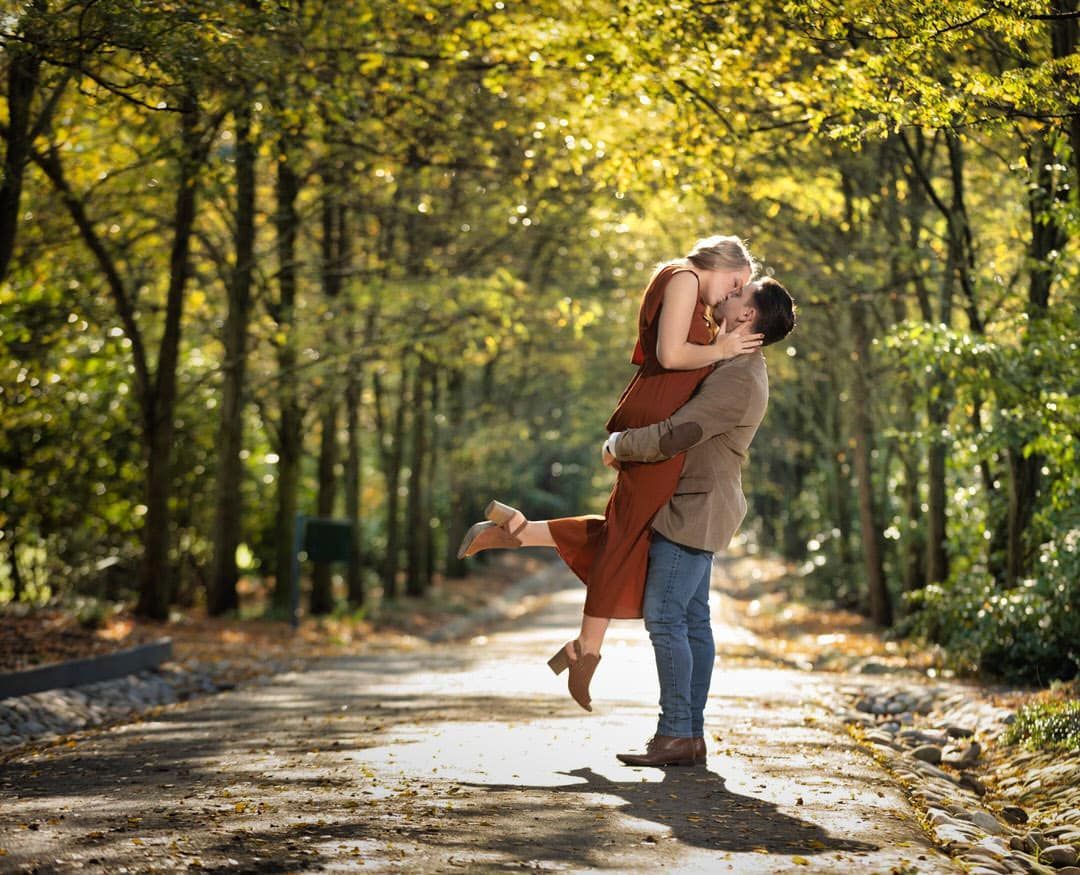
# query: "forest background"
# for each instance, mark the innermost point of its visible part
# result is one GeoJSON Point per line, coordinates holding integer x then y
{"type": "Point", "coordinates": [382, 261]}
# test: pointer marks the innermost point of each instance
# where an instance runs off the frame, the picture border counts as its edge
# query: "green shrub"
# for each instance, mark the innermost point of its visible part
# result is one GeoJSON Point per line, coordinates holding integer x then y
{"type": "Point", "coordinates": [1050, 725]}
{"type": "Point", "coordinates": [1029, 633]}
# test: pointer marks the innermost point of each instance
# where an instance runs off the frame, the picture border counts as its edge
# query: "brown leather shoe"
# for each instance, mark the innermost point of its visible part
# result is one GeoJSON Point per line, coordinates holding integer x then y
{"type": "Point", "coordinates": [701, 754]}
{"type": "Point", "coordinates": [667, 750]}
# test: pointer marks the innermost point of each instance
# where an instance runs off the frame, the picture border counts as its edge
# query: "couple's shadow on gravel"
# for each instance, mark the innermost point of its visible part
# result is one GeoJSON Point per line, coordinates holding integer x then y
{"type": "Point", "coordinates": [699, 810]}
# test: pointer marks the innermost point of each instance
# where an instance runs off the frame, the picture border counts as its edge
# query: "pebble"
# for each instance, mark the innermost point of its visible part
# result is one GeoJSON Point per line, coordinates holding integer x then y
{"type": "Point", "coordinates": [953, 837]}
{"type": "Point", "coordinates": [961, 759]}
{"type": "Point", "coordinates": [932, 771]}
{"type": "Point", "coordinates": [948, 771]}
{"type": "Point", "coordinates": [928, 753]}
{"type": "Point", "coordinates": [969, 782]}
{"type": "Point", "coordinates": [1058, 855]}
{"type": "Point", "coordinates": [1014, 814]}
{"type": "Point", "coordinates": [987, 822]}
{"type": "Point", "coordinates": [922, 736]}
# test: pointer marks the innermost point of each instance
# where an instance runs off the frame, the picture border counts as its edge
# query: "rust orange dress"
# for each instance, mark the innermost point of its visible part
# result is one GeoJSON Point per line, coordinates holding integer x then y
{"type": "Point", "coordinates": [610, 553]}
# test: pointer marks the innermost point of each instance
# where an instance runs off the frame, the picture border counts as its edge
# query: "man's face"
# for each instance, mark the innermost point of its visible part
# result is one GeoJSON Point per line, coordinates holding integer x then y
{"type": "Point", "coordinates": [737, 306]}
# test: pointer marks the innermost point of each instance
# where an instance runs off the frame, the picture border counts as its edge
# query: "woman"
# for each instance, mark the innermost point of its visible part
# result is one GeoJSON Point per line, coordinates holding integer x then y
{"type": "Point", "coordinates": [678, 344]}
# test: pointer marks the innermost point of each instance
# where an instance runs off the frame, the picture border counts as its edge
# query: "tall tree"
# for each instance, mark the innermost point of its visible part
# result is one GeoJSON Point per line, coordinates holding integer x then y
{"type": "Point", "coordinates": [228, 516]}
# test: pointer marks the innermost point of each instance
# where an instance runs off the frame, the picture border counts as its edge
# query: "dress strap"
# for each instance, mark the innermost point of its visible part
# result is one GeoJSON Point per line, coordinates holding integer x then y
{"type": "Point", "coordinates": [650, 305]}
{"type": "Point", "coordinates": [687, 270]}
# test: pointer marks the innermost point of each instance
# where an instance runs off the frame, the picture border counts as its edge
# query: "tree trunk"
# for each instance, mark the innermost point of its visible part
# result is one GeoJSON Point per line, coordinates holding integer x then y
{"type": "Point", "coordinates": [1023, 491]}
{"type": "Point", "coordinates": [229, 506]}
{"type": "Point", "coordinates": [456, 524]}
{"type": "Point", "coordinates": [391, 452]}
{"type": "Point", "coordinates": [840, 489]}
{"type": "Point", "coordinates": [24, 70]}
{"type": "Point", "coordinates": [416, 528]}
{"type": "Point", "coordinates": [1064, 31]}
{"type": "Point", "coordinates": [290, 439]}
{"type": "Point", "coordinates": [937, 559]}
{"type": "Point", "coordinates": [160, 416]}
{"type": "Point", "coordinates": [17, 583]}
{"type": "Point", "coordinates": [435, 468]}
{"type": "Point", "coordinates": [939, 395]}
{"type": "Point", "coordinates": [333, 265]}
{"type": "Point", "coordinates": [901, 252]}
{"type": "Point", "coordinates": [872, 547]}
{"type": "Point", "coordinates": [322, 596]}
{"type": "Point", "coordinates": [1048, 235]}
{"type": "Point", "coordinates": [354, 485]}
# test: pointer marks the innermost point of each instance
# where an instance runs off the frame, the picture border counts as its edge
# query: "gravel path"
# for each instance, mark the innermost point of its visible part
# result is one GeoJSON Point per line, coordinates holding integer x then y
{"type": "Point", "coordinates": [470, 757]}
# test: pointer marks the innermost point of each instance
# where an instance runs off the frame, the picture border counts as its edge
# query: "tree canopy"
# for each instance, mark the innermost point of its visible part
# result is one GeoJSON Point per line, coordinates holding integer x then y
{"type": "Point", "coordinates": [382, 261]}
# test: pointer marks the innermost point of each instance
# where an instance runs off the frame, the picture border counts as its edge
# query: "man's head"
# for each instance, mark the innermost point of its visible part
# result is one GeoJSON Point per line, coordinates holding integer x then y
{"type": "Point", "coordinates": [765, 304]}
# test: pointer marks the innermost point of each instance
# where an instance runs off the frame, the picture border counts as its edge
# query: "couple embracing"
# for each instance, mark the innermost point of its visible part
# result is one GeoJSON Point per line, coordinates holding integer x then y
{"type": "Point", "coordinates": [677, 439]}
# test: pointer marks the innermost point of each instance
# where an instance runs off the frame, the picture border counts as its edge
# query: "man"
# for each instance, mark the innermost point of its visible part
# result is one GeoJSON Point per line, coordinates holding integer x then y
{"type": "Point", "coordinates": [715, 429]}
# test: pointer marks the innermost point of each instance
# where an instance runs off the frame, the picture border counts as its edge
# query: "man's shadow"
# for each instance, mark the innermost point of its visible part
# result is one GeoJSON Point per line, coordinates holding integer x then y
{"type": "Point", "coordinates": [700, 811]}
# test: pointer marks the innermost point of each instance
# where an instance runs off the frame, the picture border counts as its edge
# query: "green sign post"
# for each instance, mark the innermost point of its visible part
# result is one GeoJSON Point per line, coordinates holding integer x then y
{"type": "Point", "coordinates": [323, 540]}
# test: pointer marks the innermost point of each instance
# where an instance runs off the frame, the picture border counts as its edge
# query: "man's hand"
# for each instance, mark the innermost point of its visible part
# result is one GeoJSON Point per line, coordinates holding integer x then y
{"type": "Point", "coordinates": [736, 342]}
{"type": "Point", "coordinates": [607, 456]}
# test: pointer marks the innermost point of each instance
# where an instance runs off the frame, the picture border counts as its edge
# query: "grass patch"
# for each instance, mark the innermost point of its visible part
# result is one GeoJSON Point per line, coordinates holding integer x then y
{"type": "Point", "coordinates": [1047, 725]}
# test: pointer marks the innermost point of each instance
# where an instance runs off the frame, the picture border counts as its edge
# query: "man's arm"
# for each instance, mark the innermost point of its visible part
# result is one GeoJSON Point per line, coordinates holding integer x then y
{"type": "Point", "coordinates": [718, 406]}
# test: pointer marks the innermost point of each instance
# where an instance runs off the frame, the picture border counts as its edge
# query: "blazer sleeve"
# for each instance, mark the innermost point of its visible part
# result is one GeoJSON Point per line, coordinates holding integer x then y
{"type": "Point", "coordinates": [718, 407]}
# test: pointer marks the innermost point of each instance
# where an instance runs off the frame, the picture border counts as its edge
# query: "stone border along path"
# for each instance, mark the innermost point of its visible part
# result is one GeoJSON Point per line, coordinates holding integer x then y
{"type": "Point", "coordinates": [46, 716]}
{"type": "Point", "coordinates": [936, 740]}
{"type": "Point", "coordinates": [86, 670]}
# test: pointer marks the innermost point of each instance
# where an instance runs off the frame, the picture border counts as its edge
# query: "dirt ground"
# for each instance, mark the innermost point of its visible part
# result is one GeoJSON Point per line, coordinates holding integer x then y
{"type": "Point", "coordinates": [468, 756]}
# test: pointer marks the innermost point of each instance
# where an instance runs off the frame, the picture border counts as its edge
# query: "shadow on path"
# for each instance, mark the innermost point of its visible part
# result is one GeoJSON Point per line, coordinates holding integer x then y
{"type": "Point", "coordinates": [694, 804]}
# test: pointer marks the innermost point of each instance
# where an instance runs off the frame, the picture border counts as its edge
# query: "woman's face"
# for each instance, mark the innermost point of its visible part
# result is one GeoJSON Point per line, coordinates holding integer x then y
{"type": "Point", "coordinates": [722, 283]}
{"type": "Point", "coordinates": [736, 304]}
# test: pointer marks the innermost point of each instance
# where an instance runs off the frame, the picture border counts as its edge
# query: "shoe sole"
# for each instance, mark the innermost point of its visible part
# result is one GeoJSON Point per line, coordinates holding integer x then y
{"type": "Point", "coordinates": [675, 764]}
{"type": "Point", "coordinates": [470, 536]}
{"type": "Point", "coordinates": [693, 762]}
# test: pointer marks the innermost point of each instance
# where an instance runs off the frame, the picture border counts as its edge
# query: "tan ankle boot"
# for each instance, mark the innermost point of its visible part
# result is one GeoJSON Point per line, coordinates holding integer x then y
{"type": "Point", "coordinates": [494, 533]}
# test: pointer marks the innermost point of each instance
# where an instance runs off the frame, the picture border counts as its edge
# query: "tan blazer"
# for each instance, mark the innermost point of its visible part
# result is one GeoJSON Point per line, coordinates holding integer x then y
{"type": "Point", "coordinates": [715, 428]}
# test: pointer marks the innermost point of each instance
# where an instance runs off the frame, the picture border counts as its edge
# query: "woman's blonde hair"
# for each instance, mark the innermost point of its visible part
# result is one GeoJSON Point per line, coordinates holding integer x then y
{"type": "Point", "coordinates": [722, 253]}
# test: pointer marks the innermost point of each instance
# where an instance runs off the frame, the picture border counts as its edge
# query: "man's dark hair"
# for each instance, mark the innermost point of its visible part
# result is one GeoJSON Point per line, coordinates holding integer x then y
{"type": "Point", "coordinates": [775, 311]}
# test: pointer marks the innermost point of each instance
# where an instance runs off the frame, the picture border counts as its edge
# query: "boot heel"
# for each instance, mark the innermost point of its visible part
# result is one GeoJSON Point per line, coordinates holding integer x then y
{"type": "Point", "coordinates": [560, 662]}
{"type": "Point", "coordinates": [498, 512]}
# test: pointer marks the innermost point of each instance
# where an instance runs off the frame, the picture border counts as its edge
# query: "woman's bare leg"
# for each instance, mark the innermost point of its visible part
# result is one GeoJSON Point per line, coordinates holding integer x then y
{"type": "Point", "coordinates": [592, 633]}
{"type": "Point", "coordinates": [535, 533]}
{"type": "Point", "coordinates": [538, 534]}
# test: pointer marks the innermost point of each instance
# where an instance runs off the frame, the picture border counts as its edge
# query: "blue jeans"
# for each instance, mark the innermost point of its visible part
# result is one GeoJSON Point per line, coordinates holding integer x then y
{"type": "Point", "coordinates": [677, 617]}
